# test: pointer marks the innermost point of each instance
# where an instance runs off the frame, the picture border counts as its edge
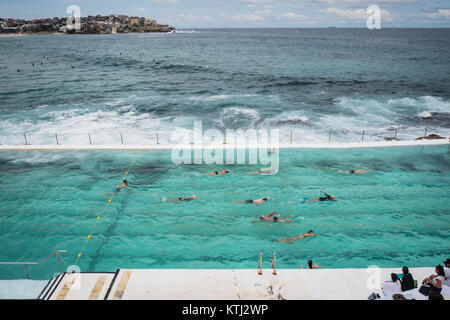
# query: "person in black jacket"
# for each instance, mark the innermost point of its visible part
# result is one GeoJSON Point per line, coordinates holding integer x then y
{"type": "Point", "coordinates": [407, 281]}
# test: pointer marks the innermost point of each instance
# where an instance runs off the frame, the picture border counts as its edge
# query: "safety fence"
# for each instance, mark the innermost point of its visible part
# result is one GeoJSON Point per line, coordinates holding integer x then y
{"type": "Point", "coordinates": [100, 215]}
{"type": "Point", "coordinates": [26, 264]}
{"type": "Point", "coordinates": [294, 136]}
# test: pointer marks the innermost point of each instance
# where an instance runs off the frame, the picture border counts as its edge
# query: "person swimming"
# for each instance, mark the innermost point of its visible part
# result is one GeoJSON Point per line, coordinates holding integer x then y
{"type": "Point", "coordinates": [215, 173]}
{"type": "Point", "coordinates": [257, 201]}
{"type": "Point", "coordinates": [326, 198]}
{"type": "Point", "coordinates": [310, 233]}
{"type": "Point", "coordinates": [311, 265]}
{"type": "Point", "coordinates": [263, 172]}
{"type": "Point", "coordinates": [180, 199]}
{"type": "Point", "coordinates": [354, 171]}
{"type": "Point", "coordinates": [123, 185]}
{"type": "Point", "coordinates": [270, 217]}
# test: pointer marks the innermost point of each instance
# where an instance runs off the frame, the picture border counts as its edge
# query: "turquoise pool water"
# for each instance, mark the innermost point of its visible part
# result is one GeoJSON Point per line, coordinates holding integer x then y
{"type": "Point", "coordinates": [396, 214]}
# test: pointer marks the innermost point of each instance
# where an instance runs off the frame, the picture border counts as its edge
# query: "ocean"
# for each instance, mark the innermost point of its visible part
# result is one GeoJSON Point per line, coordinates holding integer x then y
{"type": "Point", "coordinates": [311, 82]}
{"type": "Point", "coordinates": [314, 83]}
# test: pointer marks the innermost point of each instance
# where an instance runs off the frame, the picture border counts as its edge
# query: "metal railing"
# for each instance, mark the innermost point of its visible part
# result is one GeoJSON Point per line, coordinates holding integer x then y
{"type": "Point", "coordinates": [274, 264]}
{"type": "Point", "coordinates": [260, 263]}
{"type": "Point", "coordinates": [154, 138]}
{"type": "Point", "coordinates": [25, 264]}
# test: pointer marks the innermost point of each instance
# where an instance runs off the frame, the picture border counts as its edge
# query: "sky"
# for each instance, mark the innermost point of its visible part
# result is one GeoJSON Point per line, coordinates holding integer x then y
{"type": "Point", "coordinates": [246, 13]}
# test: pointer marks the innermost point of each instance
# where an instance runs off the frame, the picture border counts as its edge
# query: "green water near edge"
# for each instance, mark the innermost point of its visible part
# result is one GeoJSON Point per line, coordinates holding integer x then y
{"type": "Point", "coordinates": [396, 214]}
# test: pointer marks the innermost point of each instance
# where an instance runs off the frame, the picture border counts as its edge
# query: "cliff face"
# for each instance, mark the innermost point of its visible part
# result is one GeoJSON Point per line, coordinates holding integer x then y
{"type": "Point", "coordinates": [88, 25]}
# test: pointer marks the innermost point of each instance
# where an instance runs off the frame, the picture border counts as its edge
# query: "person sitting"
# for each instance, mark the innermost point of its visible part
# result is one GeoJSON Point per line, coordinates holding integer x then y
{"type": "Point", "coordinates": [435, 296]}
{"type": "Point", "coordinates": [392, 287]}
{"type": "Point", "coordinates": [433, 282]}
{"type": "Point", "coordinates": [406, 279]}
{"type": "Point", "coordinates": [447, 272]}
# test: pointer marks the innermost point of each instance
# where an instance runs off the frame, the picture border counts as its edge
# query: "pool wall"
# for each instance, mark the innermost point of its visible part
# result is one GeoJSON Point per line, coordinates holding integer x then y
{"type": "Point", "coordinates": [229, 146]}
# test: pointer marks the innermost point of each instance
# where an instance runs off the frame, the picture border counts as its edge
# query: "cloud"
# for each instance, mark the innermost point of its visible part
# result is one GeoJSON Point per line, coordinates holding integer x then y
{"type": "Point", "coordinates": [441, 13]}
{"type": "Point", "coordinates": [248, 17]}
{"type": "Point", "coordinates": [164, 1]}
{"type": "Point", "coordinates": [253, 4]}
{"type": "Point", "coordinates": [194, 18]}
{"type": "Point", "coordinates": [256, 1]}
{"type": "Point", "coordinates": [358, 14]}
{"type": "Point", "coordinates": [294, 16]}
{"type": "Point", "coordinates": [140, 9]}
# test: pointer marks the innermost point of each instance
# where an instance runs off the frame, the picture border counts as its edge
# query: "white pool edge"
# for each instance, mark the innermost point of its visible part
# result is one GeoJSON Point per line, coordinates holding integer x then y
{"type": "Point", "coordinates": [342, 145]}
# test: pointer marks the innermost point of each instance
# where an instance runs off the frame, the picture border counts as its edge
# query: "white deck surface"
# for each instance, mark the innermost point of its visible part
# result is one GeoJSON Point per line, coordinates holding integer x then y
{"type": "Point", "coordinates": [81, 287]}
{"type": "Point", "coordinates": [227, 146]}
{"type": "Point", "coordinates": [21, 289]}
{"type": "Point", "coordinates": [237, 284]}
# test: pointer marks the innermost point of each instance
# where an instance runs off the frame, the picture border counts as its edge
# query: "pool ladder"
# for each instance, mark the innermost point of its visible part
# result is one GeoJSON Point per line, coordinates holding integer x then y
{"type": "Point", "coordinates": [25, 264]}
{"type": "Point", "coordinates": [274, 262]}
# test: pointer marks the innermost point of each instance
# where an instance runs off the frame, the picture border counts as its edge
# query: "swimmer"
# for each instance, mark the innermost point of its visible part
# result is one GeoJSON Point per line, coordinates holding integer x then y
{"type": "Point", "coordinates": [263, 172]}
{"type": "Point", "coordinates": [326, 198]}
{"type": "Point", "coordinates": [215, 173]}
{"type": "Point", "coordinates": [311, 265]}
{"type": "Point", "coordinates": [257, 201]}
{"type": "Point", "coordinates": [269, 217]}
{"type": "Point", "coordinates": [310, 233]}
{"type": "Point", "coordinates": [123, 185]}
{"type": "Point", "coordinates": [181, 199]}
{"type": "Point", "coordinates": [354, 171]}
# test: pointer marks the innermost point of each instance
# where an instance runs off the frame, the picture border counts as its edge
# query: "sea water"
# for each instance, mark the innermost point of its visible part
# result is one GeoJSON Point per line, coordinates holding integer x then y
{"type": "Point", "coordinates": [307, 81]}
{"type": "Point", "coordinates": [393, 215]}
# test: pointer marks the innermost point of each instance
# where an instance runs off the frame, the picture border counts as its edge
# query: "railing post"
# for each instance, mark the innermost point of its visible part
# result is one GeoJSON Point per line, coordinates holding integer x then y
{"type": "Point", "coordinates": [157, 138]}
{"type": "Point", "coordinates": [59, 264]}
{"type": "Point", "coordinates": [260, 263]}
{"type": "Point", "coordinates": [25, 136]}
{"type": "Point", "coordinates": [362, 138]}
{"type": "Point", "coordinates": [329, 137]}
{"type": "Point", "coordinates": [121, 137]}
{"type": "Point", "coordinates": [56, 135]}
{"type": "Point", "coordinates": [274, 264]}
{"type": "Point", "coordinates": [26, 271]}
{"type": "Point", "coordinates": [291, 138]}
{"type": "Point", "coordinates": [395, 136]}
{"type": "Point", "coordinates": [90, 141]}
{"type": "Point", "coordinates": [425, 132]}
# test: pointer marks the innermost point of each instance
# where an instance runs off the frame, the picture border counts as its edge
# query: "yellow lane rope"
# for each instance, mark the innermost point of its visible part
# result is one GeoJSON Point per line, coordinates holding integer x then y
{"type": "Point", "coordinates": [99, 216]}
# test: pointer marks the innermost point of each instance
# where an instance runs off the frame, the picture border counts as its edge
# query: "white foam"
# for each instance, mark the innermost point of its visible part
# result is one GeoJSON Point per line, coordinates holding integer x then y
{"type": "Point", "coordinates": [425, 114]}
{"type": "Point", "coordinates": [221, 97]}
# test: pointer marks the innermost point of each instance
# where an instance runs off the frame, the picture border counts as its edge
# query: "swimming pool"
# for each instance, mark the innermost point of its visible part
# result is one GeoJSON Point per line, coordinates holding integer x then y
{"type": "Point", "coordinates": [396, 214]}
